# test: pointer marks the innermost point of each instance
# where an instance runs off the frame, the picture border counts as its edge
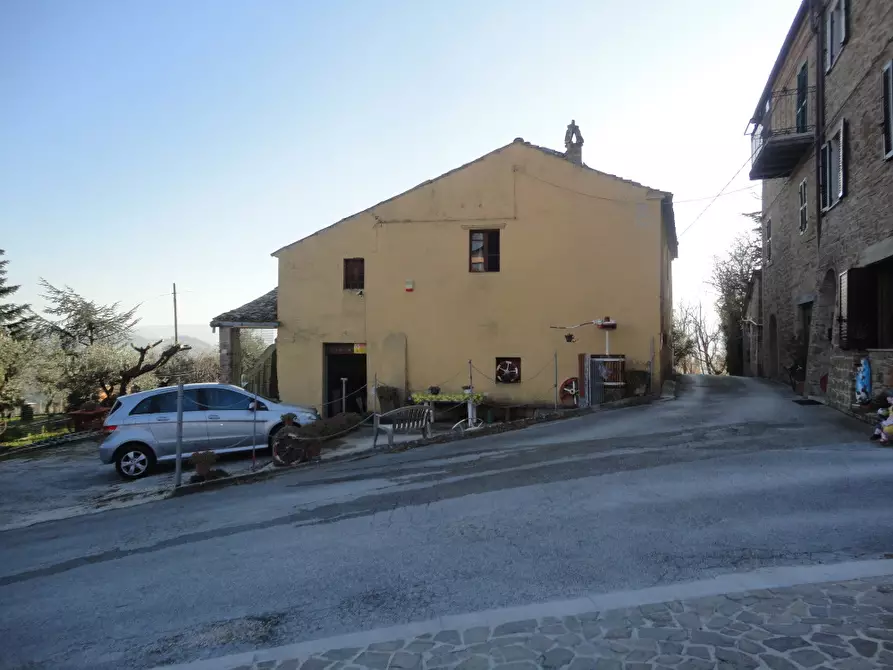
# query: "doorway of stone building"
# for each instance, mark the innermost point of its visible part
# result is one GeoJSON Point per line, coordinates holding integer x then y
{"type": "Point", "coordinates": [347, 362]}
{"type": "Point", "coordinates": [822, 335]}
{"type": "Point", "coordinates": [772, 362]}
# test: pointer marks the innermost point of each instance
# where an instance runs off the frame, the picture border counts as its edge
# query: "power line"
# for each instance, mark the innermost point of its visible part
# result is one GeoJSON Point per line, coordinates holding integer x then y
{"type": "Point", "coordinates": [709, 204]}
{"type": "Point", "coordinates": [738, 190]}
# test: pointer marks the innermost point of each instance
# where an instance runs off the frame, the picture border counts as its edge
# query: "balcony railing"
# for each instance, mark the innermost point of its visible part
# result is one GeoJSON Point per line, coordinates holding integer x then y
{"type": "Point", "coordinates": [784, 134]}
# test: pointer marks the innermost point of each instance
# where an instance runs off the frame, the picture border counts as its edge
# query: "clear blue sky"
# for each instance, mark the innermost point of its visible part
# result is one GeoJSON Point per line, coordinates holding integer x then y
{"type": "Point", "coordinates": [143, 143]}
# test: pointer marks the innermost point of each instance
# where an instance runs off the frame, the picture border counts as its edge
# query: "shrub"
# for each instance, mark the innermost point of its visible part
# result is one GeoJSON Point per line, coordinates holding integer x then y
{"type": "Point", "coordinates": [297, 444]}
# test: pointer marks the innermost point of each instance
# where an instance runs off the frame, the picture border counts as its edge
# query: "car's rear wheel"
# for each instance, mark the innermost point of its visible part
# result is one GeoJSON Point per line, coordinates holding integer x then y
{"type": "Point", "coordinates": [133, 461]}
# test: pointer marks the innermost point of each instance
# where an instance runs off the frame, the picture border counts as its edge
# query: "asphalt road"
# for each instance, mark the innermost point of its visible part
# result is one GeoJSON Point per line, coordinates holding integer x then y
{"type": "Point", "coordinates": [731, 476]}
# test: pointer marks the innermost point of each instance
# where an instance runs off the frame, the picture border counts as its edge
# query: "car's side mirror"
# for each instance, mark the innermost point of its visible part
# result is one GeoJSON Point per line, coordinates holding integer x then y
{"type": "Point", "coordinates": [256, 407]}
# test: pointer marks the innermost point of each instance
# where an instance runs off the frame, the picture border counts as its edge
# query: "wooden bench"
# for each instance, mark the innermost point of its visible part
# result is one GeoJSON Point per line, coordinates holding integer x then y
{"type": "Point", "coordinates": [403, 420]}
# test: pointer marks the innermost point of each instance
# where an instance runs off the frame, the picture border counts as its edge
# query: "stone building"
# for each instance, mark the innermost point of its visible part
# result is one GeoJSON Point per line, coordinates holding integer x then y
{"type": "Point", "coordinates": [821, 141]}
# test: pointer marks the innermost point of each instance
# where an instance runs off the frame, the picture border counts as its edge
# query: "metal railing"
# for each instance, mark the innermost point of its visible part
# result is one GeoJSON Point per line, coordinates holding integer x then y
{"type": "Point", "coordinates": [788, 112]}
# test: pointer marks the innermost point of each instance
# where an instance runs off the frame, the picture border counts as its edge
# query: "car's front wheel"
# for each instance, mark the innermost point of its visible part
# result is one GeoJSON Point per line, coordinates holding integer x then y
{"type": "Point", "coordinates": [134, 461]}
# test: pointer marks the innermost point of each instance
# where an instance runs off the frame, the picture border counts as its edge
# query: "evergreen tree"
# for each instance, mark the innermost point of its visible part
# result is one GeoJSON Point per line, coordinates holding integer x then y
{"type": "Point", "coordinates": [14, 319]}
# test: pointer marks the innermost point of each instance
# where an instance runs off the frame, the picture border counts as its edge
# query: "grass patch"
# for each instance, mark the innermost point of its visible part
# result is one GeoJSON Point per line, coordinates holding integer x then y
{"type": "Point", "coordinates": [29, 439]}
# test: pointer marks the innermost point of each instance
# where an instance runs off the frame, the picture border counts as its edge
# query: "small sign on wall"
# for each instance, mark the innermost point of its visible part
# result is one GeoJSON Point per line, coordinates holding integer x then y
{"type": "Point", "coordinates": [359, 348]}
{"type": "Point", "coordinates": [409, 285]}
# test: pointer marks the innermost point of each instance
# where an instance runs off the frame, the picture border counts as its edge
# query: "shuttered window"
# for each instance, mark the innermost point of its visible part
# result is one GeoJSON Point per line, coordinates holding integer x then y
{"type": "Point", "coordinates": [802, 98]}
{"type": "Point", "coordinates": [803, 194]}
{"type": "Point", "coordinates": [888, 109]}
{"type": "Point", "coordinates": [858, 308]}
{"type": "Point", "coordinates": [836, 30]}
{"type": "Point", "coordinates": [833, 167]}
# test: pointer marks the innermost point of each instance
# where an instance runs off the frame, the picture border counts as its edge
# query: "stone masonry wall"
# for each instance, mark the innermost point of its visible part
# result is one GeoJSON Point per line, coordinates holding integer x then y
{"type": "Point", "coordinates": [863, 217]}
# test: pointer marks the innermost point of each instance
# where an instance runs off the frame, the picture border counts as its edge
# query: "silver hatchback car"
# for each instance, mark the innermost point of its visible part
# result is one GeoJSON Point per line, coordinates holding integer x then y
{"type": "Point", "coordinates": [141, 429]}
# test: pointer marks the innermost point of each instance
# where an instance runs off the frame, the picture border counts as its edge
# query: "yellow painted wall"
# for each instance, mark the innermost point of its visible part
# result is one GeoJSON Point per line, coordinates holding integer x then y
{"type": "Point", "coordinates": [575, 245]}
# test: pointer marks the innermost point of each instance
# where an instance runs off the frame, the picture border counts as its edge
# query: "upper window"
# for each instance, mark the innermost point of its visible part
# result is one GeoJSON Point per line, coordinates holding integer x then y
{"type": "Point", "coordinates": [769, 241]}
{"type": "Point", "coordinates": [803, 98]}
{"type": "Point", "coordinates": [804, 207]}
{"type": "Point", "coordinates": [484, 251]}
{"type": "Point", "coordinates": [833, 167]}
{"type": "Point", "coordinates": [354, 274]}
{"type": "Point", "coordinates": [835, 31]}
{"type": "Point", "coordinates": [888, 109]}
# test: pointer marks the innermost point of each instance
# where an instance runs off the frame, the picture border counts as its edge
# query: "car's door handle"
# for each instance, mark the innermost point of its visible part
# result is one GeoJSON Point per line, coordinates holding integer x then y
{"type": "Point", "coordinates": [162, 418]}
{"type": "Point", "coordinates": [213, 416]}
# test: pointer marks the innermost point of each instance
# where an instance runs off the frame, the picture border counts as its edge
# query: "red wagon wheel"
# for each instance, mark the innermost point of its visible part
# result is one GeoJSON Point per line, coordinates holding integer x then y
{"type": "Point", "coordinates": [570, 390]}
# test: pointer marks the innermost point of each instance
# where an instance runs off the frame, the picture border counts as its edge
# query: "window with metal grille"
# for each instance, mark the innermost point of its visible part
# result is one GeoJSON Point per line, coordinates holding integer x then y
{"type": "Point", "coordinates": [833, 167]}
{"type": "Point", "coordinates": [508, 370]}
{"type": "Point", "coordinates": [354, 274]}
{"type": "Point", "coordinates": [804, 207]}
{"type": "Point", "coordinates": [835, 32]}
{"type": "Point", "coordinates": [483, 251]}
{"type": "Point", "coordinates": [887, 91]}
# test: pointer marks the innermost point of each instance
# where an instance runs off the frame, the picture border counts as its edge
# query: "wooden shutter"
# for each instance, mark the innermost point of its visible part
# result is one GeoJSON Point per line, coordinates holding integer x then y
{"type": "Point", "coordinates": [824, 185]}
{"type": "Point", "coordinates": [829, 39]}
{"type": "Point", "coordinates": [888, 108]}
{"type": "Point", "coordinates": [841, 165]}
{"type": "Point", "coordinates": [857, 319]}
{"type": "Point", "coordinates": [802, 100]}
{"type": "Point", "coordinates": [844, 20]}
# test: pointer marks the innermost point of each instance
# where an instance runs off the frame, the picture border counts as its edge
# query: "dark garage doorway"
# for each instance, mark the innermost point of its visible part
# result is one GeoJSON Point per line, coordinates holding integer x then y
{"type": "Point", "coordinates": [346, 361]}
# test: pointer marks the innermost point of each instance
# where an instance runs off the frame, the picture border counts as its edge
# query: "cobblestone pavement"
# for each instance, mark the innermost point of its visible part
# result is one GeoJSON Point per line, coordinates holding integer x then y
{"type": "Point", "coordinates": [845, 625]}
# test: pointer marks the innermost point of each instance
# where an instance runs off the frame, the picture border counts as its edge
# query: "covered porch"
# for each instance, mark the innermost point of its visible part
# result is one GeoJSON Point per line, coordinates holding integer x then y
{"type": "Point", "coordinates": [259, 314]}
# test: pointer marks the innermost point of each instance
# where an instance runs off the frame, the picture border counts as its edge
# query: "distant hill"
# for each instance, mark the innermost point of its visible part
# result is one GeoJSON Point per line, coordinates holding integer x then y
{"type": "Point", "coordinates": [141, 340]}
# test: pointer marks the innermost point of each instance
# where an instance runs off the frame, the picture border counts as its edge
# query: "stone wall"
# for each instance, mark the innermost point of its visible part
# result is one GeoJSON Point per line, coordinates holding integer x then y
{"type": "Point", "coordinates": [805, 266]}
{"type": "Point", "coordinates": [881, 369]}
{"type": "Point", "coordinates": [842, 379]}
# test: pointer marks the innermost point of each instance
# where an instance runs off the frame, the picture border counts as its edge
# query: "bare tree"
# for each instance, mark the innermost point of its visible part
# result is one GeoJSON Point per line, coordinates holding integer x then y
{"type": "Point", "coordinates": [730, 278]}
{"type": "Point", "coordinates": [701, 341]}
{"type": "Point", "coordinates": [683, 341]}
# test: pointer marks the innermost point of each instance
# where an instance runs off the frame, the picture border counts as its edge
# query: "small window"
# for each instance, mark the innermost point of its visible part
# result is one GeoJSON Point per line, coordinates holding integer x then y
{"type": "Point", "coordinates": [833, 164]}
{"type": "Point", "coordinates": [768, 241]}
{"type": "Point", "coordinates": [508, 370]}
{"type": "Point", "coordinates": [804, 207]}
{"type": "Point", "coordinates": [484, 251]}
{"type": "Point", "coordinates": [888, 110]}
{"type": "Point", "coordinates": [835, 32]}
{"type": "Point", "coordinates": [354, 274]}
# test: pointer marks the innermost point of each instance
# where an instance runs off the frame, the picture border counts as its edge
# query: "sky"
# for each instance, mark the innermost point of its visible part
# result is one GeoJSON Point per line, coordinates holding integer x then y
{"type": "Point", "coordinates": [147, 143]}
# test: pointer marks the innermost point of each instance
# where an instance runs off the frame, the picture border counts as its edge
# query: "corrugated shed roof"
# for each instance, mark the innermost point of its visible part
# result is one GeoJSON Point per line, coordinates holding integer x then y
{"type": "Point", "coordinates": [260, 310]}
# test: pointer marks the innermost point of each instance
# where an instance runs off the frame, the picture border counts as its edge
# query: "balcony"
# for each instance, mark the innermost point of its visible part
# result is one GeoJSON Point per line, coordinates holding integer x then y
{"type": "Point", "coordinates": [784, 134]}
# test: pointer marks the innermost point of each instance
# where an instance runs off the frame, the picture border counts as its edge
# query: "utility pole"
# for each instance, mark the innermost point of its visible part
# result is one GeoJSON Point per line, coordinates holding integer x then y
{"type": "Point", "coordinates": [176, 334]}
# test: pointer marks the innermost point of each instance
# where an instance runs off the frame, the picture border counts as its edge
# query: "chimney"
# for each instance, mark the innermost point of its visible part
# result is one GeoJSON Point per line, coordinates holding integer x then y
{"type": "Point", "coordinates": [573, 144]}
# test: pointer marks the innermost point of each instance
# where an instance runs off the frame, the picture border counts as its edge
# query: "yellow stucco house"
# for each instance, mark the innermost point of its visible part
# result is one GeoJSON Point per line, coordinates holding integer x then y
{"type": "Point", "coordinates": [479, 264]}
